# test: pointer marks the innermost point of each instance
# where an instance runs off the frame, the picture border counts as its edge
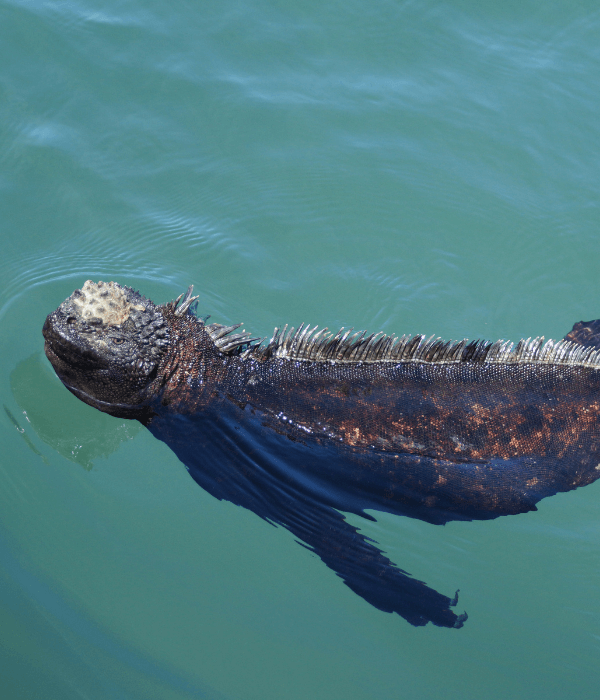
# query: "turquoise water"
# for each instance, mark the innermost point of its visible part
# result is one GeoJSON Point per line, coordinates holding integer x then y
{"type": "Point", "coordinates": [418, 167]}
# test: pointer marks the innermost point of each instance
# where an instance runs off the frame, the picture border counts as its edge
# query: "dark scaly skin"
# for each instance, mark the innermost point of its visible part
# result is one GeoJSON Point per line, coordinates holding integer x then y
{"type": "Point", "coordinates": [294, 440]}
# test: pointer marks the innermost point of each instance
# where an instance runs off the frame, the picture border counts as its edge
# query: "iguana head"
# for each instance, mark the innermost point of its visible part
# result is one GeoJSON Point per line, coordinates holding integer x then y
{"type": "Point", "coordinates": [105, 343]}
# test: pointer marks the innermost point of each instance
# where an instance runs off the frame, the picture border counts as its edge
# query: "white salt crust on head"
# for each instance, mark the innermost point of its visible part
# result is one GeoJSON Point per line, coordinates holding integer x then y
{"type": "Point", "coordinates": [106, 301]}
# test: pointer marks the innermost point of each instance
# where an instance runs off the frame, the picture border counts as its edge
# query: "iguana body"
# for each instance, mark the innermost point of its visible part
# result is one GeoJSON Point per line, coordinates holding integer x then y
{"type": "Point", "coordinates": [311, 422]}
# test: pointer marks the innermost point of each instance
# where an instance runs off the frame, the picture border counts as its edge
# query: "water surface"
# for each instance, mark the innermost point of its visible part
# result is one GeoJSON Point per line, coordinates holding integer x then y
{"type": "Point", "coordinates": [416, 167]}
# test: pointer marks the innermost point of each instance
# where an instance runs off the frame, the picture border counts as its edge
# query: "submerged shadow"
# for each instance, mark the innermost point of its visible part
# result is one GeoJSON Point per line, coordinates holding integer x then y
{"type": "Point", "coordinates": [238, 458]}
{"type": "Point", "coordinates": [77, 432]}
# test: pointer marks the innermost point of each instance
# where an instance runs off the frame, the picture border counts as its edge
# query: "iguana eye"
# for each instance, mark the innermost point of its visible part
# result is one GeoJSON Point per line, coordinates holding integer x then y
{"type": "Point", "coordinates": [118, 341]}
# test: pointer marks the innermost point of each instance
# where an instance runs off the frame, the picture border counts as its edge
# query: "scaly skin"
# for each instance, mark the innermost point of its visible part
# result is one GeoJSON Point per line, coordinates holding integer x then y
{"type": "Point", "coordinates": [304, 425]}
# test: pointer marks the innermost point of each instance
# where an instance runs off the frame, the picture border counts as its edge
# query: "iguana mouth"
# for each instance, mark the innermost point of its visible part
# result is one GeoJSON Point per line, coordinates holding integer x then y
{"type": "Point", "coordinates": [98, 403]}
{"type": "Point", "coordinates": [63, 349]}
{"type": "Point", "coordinates": [50, 354]}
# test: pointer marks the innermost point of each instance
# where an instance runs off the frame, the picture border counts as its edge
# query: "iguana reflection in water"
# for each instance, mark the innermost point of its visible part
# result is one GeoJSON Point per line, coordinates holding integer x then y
{"type": "Point", "coordinates": [311, 423]}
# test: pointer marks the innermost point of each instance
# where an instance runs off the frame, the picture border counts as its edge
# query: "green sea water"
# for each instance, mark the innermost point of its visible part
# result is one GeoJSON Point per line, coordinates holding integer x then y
{"type": "Point", "coordinates": [411, 167]}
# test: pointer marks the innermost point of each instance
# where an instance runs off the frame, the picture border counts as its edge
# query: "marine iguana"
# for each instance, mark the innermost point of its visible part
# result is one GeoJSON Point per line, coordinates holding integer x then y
{"type": "Point", "coordinates": [310, 423]}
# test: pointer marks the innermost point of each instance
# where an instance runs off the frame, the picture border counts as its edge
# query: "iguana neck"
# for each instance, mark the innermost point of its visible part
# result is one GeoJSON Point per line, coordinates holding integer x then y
{"type": "Point", "coordinates": [193, 370]}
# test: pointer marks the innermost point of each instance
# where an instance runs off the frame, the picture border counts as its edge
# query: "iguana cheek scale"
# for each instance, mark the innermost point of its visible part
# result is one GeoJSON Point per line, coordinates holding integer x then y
{"type": "Point", "coordinates": [311, 422]}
